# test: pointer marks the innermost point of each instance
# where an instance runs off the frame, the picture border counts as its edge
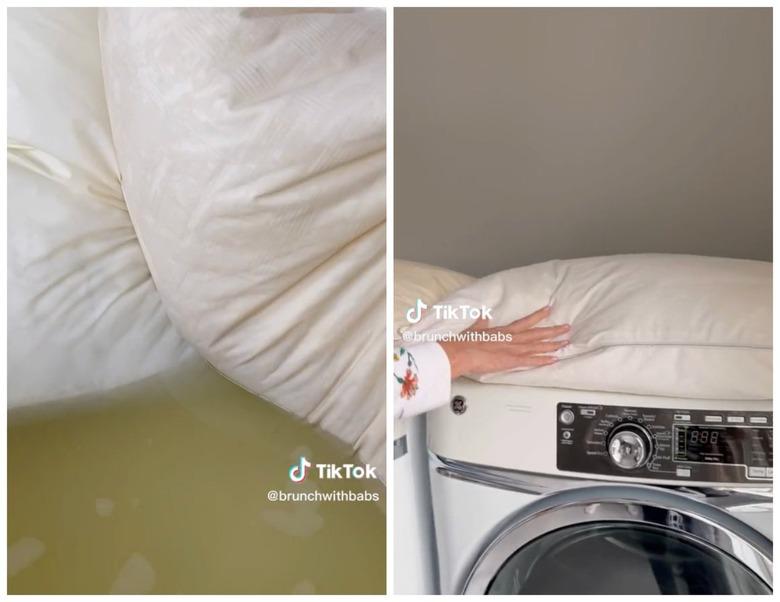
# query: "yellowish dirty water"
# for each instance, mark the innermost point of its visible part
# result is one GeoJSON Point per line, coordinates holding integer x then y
{"type": "Point", "coordinates": [162, 488]}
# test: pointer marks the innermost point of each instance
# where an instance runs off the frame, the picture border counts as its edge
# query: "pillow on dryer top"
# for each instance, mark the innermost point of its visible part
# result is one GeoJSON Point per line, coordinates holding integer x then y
{"type": "Point", "coordinates": [668, 325]}
{"type": "Point", "coordinates": [252, 148]}
{"type": "Point", "coordinates": [83, 312]}
{"type": "Point", "coordinates": [415, 281]}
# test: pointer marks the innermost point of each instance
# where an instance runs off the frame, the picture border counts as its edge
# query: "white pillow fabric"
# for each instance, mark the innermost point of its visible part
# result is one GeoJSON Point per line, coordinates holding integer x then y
{"type": "Point", "coordinates": [252, 148]}
{"type": "Point", "coordinates": [83, 313]}
{"type": "Point", "coordinates": [422, 281]}
{"type": "Point", "coordinates": [670, 325]}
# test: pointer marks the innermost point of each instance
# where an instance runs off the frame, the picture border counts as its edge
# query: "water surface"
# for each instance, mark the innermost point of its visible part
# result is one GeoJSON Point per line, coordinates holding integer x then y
{"type": "Point", "coordinates": [162, 488]}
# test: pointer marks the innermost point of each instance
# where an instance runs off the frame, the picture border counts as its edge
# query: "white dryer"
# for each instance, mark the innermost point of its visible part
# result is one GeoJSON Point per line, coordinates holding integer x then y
{"type": "Point", "coordinates": [551, 491]}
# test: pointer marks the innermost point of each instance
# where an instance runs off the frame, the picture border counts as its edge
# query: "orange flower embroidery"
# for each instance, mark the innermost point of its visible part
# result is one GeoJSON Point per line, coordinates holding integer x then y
{"type": "Point", "coordinates": [409, 385]}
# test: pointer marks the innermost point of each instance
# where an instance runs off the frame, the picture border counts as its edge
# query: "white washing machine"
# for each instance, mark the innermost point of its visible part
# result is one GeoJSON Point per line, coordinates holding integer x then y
{"type": "Point", "coordinates": [549, 491]}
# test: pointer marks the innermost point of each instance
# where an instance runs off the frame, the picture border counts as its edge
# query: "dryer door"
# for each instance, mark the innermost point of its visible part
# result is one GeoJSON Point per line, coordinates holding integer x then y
{"type": "Point", "coordinates": [623, 540]}
{"type": "Point", "coordinates": [622, 558]}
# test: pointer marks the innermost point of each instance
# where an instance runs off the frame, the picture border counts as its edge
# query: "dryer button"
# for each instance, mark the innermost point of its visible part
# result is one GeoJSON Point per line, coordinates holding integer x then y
{"type": "Point", "coordinates": [566, 417]}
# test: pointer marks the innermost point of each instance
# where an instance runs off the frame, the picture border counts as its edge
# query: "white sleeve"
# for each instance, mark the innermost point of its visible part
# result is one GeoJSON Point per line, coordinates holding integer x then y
{"type": "Point", "coordinates": [421, 379]}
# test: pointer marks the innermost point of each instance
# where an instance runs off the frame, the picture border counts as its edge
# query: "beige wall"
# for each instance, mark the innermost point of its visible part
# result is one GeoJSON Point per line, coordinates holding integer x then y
{"type": "Point", "coordinates": [523, 135]}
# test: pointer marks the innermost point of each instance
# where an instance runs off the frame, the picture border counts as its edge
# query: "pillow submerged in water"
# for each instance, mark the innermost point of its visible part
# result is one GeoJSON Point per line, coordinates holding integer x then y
{"type": "Point", "coordinates": [670, 325]}
{"type": "Point", "coordinates": [83, 312]}
{"type": "Point", "coordinates": [251, 144]}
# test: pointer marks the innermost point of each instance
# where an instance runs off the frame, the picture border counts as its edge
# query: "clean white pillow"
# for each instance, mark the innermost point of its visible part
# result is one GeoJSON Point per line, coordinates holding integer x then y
{"type": "Point", "coordinates": [252, 148]}
{"type": "Point", "coordinates": [83, 313]}
{"type": "Point", "coordinates": [671, 325]}
{"type": "Point", "coordinates": [414, 280]}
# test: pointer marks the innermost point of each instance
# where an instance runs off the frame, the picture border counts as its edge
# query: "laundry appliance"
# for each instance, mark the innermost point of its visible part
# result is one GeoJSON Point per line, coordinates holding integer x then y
{"type": "Point", "coordinates": [537, 490]}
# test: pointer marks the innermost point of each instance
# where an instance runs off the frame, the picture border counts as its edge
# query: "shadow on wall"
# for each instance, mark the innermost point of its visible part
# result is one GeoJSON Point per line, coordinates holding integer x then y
{"type": "Point", "coordinates": [523, 135]}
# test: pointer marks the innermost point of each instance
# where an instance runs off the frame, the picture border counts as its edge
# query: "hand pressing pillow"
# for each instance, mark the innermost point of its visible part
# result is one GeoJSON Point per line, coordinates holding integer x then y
{"type": "Point", "coordinates": [669, 325]}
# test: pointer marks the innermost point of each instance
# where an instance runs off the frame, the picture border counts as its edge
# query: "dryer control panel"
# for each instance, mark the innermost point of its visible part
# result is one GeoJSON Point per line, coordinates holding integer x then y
{"type": "Point", "coordinates": [654, 443]}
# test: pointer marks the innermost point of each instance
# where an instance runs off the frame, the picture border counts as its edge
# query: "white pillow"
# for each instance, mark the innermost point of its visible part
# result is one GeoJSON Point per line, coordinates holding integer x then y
{"type": "Point", "coordinates": [252, 148]}
{"type": "Point", "coordinates": [83, 313]}
{"type": "Point", "coordinates": [428, 283]}
{"type": "Point", "coordinates": [671, 325]}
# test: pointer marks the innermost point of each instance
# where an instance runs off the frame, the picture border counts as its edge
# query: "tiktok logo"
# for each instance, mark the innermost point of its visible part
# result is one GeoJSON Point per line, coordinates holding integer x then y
{"type": "Point", "coordinates": [414, 314]}
{"type": "Point", "coordinates": [297, 471]}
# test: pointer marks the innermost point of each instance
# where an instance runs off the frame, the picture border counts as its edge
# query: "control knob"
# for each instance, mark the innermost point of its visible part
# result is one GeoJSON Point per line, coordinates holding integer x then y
{"type": "Point", "coordinates": [630, 446]}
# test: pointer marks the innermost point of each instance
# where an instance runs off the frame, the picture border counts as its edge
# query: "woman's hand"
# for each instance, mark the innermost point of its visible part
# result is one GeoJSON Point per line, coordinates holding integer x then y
{"type": "Point", "coordinates": [529, 347]}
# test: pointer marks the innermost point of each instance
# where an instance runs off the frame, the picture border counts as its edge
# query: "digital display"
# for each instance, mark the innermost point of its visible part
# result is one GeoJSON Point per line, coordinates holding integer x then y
{"type": "Point", "coordinates": [751, 446]}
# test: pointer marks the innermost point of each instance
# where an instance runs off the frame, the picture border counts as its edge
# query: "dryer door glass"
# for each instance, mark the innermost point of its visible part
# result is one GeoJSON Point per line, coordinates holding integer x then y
{"type": "Point", "coordinates": [622, 558]}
